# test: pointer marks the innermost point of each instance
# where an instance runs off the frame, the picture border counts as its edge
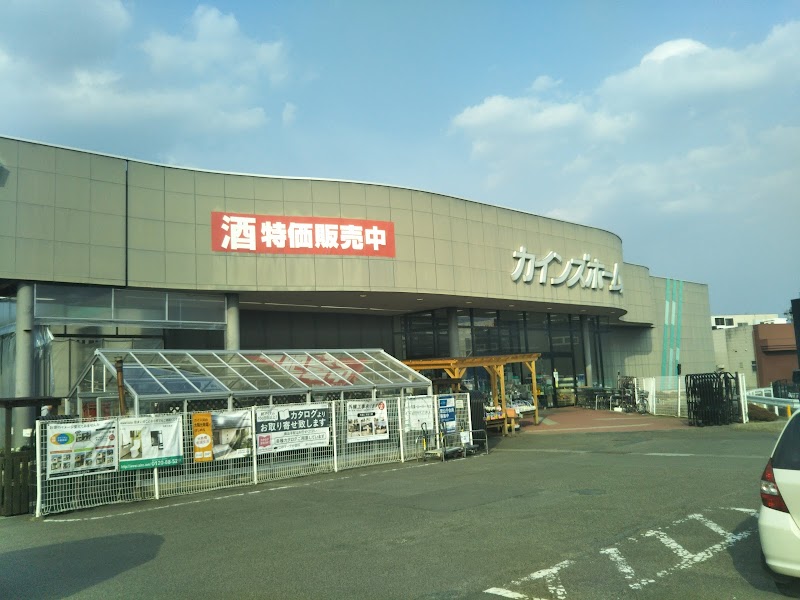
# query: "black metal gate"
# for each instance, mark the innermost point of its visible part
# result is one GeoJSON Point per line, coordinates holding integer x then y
{"type": "Point", "coordinates": [786, 389]}
{"type": "Point", "coordinates": [713, 399]}
{"type": "Point", "coordinates": [17, 482]}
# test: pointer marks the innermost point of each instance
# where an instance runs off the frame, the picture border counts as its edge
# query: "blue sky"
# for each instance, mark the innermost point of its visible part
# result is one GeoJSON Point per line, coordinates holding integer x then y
{"type": "Point", "coordinates": [674, 125]}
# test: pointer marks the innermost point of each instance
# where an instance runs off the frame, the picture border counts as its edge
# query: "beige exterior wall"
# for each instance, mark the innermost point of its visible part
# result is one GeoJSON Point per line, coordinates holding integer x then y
{"type": "Point", "coordinates": [63, 219]}
{"type": "Point", "coordinates": [79, 217]}
{"type": "Point", "coordinates": [62, 215]}
{"type": "Point", "coordinates": [734, 352]}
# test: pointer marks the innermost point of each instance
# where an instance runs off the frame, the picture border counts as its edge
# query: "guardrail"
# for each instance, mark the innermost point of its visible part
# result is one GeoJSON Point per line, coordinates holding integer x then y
{"type": "Point", "coordinates": [764, 397]}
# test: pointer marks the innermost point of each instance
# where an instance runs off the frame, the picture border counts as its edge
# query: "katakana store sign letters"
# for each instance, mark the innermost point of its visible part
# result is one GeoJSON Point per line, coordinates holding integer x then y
{"type": "Point", "coordinates": [269, 234]}
{"type": "Point", "coordinates": [586, 271]}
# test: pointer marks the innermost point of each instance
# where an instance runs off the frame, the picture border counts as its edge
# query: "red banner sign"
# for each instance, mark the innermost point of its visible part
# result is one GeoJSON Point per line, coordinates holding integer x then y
{"type": "Point", "coordinates": [270, 234]}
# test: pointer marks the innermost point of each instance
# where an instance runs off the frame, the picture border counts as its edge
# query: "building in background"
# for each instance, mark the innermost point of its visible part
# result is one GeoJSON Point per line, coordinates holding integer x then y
{"type": "Point", "coordinates": [100, 251]}
{"type": "Point", "coordinates": [775, 351]}
{"type": "Point", "coordinates": [723, 321]}
{"type": "Point", "coordinates": [796, 322]}
{"type": "Point", "coordinates": [734, 352]}
{"type": "Point", "coordinates": [763, 353]}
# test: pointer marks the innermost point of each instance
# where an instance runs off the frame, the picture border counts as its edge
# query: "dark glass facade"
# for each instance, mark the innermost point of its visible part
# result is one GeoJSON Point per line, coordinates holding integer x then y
{"type": "Point", "coordinates": [570, 345]}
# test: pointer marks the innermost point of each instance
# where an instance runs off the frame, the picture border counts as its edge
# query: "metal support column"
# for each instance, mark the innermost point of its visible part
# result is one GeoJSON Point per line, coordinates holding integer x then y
{"type": "Point", "coordinates": [452, 333]}
{"type": "Point", "coordinates": [24, 417]}
{"type": "Point", "coordinates": [232, 322]}
{"type": "Point", "coordinates": [587, 350]}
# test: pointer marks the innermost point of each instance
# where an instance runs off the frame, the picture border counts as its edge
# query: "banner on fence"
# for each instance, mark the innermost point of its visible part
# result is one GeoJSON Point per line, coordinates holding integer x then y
{"type": "Point", "coordinates": [292, 427]}
{"type": "Point", "coordinates": [367, 420]}
{"type": "Point", "coordinates": [418, 411]}
{"type": "Point", "coordinates": [147, 442]}
{"type": "Point", "coordinates": [447, 413]}
{"type": "Point", "coordinates": [202, 437]}
{"type": "Point", "coordinates": [222, 436]}
{"type": "Point", "coordinates": [75, 449]}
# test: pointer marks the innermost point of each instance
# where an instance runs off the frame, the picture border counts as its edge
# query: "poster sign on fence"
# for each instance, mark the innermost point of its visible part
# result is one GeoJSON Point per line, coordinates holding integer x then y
{"type": "Point", "coordinates": [202, 437]}
{"type": "Point", "coordinates": [75, 449]}
{"type": "Point", "coordinates": [222, 436]}
{"type": "Point", "coordinates": [367, 420]}
{"type": "Point", "coordinates": [447, 413]}
{"type": "Point", "coordinates": [147, 442]}
{"type": "Point", "coordinates": [292, 427]}
{"type": "Point", "coordinates": [418, 411]}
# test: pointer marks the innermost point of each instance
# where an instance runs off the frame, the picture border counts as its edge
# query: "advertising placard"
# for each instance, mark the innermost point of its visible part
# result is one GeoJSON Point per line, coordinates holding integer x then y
{"type": "Point", "coordinates": [222, 436]}
{"type": "Point", "coordinates": [202, 436]}
{"type": "Point", "coordinates": [367, 420]}
{"type": "Point", "coordinates": [447, 413]}
{"type": "Point", "coordinates": [291, 427]}
{"type": "Point", "coordinates": [147, 442]}
{"type": "Point", "coordinates": [418, 411]}
{"type": "Point", "coordinates": [283, 234]}
{"type": "Point", "coordinates": [75, 449]}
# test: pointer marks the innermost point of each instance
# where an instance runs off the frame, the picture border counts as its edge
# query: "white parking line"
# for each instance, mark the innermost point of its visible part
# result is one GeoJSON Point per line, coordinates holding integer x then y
{"type": "Point", "coordinates": [667, 454]}
{"type": "Point", "coordinates": [687, 559]}
{"type": "Point", "coordinates": [758, 457]}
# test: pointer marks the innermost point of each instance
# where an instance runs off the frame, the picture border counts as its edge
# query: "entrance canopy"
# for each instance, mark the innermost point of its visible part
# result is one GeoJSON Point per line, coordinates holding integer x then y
{"type": "Point", "coordinates": [166, 375]}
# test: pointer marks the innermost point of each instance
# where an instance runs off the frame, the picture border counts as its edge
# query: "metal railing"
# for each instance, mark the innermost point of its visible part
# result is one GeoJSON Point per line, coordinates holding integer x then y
{"type": "Point", "coordinates": [83, 463]}
{"type": "Point", "coordinates": [765, 398]}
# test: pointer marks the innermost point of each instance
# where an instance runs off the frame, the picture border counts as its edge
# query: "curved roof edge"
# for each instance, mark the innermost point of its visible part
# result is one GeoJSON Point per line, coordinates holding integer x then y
{"type": "Point", "coordinates": [297, 178]}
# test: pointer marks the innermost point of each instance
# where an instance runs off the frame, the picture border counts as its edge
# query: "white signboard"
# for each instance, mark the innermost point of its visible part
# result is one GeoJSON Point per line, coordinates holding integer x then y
{"type": "Point", "coordinates": [75, 449]}
{"type": "Point", "coordinates": [147, 442]}
{"type": "Point", "coordinates": [367, 420]}
{"type": "Point", "coordinates": [418, 411]}
{"type": "Point", "coordinates": [291, 427]}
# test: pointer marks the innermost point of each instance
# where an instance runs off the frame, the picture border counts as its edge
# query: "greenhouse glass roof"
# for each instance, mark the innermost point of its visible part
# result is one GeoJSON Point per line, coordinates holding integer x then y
{"type": "Point", "coordinates": [151, 374]}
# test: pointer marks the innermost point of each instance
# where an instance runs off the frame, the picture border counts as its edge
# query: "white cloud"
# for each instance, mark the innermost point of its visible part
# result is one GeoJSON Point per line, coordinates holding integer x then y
{"type": "Point", "coordinates": [683, 71]}
{"type": "Point", "coordinates": [214, 82]}
{"type": "Point", "coordinates": [55, 36]}
{"type": "Point", "coordinates": [688, 130]}
{"type": "Point", "coordinates": [674, 49]}
{"type": "Point", "coordinates": [544, 83]}
{"type": "Point", "coordinates": [289, 114]}
{"type": "Point", "coordinates": [216, 45]}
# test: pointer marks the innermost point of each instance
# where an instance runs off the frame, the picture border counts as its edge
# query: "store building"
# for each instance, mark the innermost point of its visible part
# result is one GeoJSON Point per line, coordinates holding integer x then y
{"type": "Point", "coordinates": [100, 251]}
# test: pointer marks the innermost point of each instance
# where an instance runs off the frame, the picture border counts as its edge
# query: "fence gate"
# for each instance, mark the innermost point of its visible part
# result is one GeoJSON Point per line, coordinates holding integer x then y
{"type": "Point", "coordinates": [16, 483]}
{"type": "Point", "coordinates": [786, 389]}
{"type": "Point", "coordinates": [713, 399]}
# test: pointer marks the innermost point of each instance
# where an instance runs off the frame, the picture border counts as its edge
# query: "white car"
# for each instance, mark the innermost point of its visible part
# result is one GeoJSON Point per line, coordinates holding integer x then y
{"type": "Point", "coordinates": [779, 517]}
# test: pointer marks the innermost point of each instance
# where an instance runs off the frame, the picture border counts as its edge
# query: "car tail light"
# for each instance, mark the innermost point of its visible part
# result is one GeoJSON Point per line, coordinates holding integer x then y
{"type": "Point", "coordinates": [770, 494]}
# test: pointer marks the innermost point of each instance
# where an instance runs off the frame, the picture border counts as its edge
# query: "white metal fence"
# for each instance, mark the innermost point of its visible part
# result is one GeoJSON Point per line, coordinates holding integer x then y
{"type": "Point", "coordinates": [90, 462]}
{"type": "Point", "coordinates": [765, 397]}
{"type": "Point", "coordinates": [666, 396]}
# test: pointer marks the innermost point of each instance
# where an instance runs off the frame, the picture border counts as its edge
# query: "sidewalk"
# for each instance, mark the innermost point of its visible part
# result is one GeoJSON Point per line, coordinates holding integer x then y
{"type": "Point", "coordinates": [584, 420]}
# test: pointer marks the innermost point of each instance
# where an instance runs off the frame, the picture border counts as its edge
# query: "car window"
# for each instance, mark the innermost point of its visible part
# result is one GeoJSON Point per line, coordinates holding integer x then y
{"type": "Point", "coordinates": [787, 452]}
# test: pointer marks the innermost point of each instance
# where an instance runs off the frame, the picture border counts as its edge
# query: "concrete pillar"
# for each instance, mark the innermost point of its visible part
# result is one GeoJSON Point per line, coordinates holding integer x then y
{"type": "Point", "coordinates": [24, 418]}
{"type": "Point", "coordinates": [232, 318]}
{"type": "Point", "coordinates": [587, 350]}
{"type": "Point", "coordinates": [452, 333]}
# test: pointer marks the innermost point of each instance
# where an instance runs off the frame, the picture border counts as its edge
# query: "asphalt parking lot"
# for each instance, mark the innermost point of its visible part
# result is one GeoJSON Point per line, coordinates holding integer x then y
{"type": "Point", "coordinates": [606, 514]}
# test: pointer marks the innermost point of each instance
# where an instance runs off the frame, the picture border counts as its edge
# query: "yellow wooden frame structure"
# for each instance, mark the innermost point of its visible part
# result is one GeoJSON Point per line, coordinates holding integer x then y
{"type": "Point", "coordinates": [495, 366]}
